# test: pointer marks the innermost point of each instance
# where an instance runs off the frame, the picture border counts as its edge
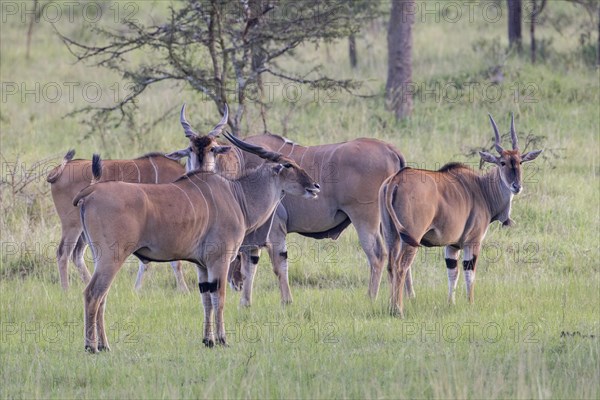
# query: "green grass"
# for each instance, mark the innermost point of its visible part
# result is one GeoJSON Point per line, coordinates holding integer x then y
{"type": "Point", "coordinates": [532, 333]}
{"type": "Point", "coordinates": [330, 343]}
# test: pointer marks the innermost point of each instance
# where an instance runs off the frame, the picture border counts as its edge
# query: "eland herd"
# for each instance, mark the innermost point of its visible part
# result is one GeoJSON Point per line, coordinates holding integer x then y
{"type": "Point", "coordinates": [231, 201]}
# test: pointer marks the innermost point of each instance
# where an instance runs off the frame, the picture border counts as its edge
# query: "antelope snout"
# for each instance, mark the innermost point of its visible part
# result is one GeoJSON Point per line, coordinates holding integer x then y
{"type": "Point", "coordinates": [516, 188]}
{"type": "Point", "coordinates": [313, 192]}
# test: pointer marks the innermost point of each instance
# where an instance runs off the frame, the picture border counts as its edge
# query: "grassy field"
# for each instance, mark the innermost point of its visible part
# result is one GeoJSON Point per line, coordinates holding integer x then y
{"type": "Point", "coordinates": [533, 331]}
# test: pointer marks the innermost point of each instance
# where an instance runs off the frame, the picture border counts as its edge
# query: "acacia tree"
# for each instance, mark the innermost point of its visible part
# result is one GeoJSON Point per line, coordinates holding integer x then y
{"type": "Point", "coordinates": [223, 49]}
{"type": "Point", "coordinates": [399, 98]}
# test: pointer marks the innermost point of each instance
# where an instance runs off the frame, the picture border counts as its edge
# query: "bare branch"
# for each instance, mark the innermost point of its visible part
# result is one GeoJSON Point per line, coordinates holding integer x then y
{"type": "Point", "coordinates": [209, 45]}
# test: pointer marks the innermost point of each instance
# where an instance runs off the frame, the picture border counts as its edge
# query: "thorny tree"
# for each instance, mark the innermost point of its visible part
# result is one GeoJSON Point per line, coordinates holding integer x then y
{"type": "Point", "coordinates": [222, 48]}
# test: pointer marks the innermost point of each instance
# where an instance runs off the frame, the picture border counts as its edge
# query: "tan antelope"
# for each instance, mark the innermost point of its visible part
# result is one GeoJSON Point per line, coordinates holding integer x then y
{"type": "Point", "coordinates": [350, 174]}
{"type": "Point", "coordinates": [71, 176]}
{"type": "Point", "coordinates": [201, 155]}
{"type": "Point", "coordinates": [202, 217]}
{"type": "Point", "coordinates": [451, 207]}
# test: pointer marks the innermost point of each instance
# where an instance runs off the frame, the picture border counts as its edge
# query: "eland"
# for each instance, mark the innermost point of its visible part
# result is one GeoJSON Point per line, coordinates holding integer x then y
{"type": "Point", "coordinates": [350, 174]}
{"type": "Point", "coordinates": [71, 176]}
{"type": "Point", "coordinates": [451, 207]}
{"type": "Point", "coordinates": [201, 217]}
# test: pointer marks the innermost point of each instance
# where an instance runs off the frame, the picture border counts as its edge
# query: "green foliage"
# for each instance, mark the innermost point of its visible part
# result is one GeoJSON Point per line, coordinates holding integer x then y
{"type": "Point", "coordinates": [242, 43]}
{"type": "Point", "coordinates": [588, 49]}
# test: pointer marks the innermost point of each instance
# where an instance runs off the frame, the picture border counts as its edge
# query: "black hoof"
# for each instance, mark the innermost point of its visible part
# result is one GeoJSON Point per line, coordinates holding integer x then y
{"type": "Point", "coordinates": [208, 343]}
{"type": "Point", "coordinates": [222, 342]}
{"type": "Point", "coordinates": [90, 349]}
{"type": "Point", "coordinates": [397, 313]}
{"type": "Point", "coordinates": [103, 348]}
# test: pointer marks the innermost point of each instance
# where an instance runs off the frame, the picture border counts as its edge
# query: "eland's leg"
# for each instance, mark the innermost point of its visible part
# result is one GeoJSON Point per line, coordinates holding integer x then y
{"type": "Point", "coordinates": [372, 244]}
{"type": "Point", "coordinates": [235, 277]}
{"type": "Point", "coordinates": [400, 269]}
{"type": "Point", "coordinates": [217, 277]}
{"type": "Point", "coordinates": [68, 242]}
{"type": "Point", "coordinates": [451, 255]}
{"type": "Point", "coordinates": [178, 271]}
{"type": "Point", "coordinates": [140, 275]}
{"type": "Point", "coordinates": [102, 339]}
{"type": "Point", "coordinates": [469, 265]}
{"type": "Point", "coordinates": [78, 260]}
{"type": "Point", "coordinates": [208, 337]}
{"type": "Point", "coordinates": [249, 260]}
{"type": "Point", "coordinates": [408, 286]}
{"type": "Point", "coordinates": [278, 255]}
{"type": "Point", "coordinates": [94, 296]}
{"type": "Point", "coordinates": [90, 312]}
{"type": "Point", "coordinates": [393, 243]}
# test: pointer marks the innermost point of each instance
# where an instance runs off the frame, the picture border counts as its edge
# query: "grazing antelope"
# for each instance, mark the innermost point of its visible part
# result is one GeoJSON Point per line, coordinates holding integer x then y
{"type": "Point", "coordinates": [202, 217]}
{"type": "Point", "coordinates": [451, 207]}
{"type": "Point", "coordinates": [71, 176]}
{"type": "Point", "coordinates": [350, 174]}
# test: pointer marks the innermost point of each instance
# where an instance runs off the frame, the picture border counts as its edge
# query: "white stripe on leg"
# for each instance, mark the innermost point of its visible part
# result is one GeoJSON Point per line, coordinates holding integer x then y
{"type": "Point", "coordinates": [469, 280]}
{"type": "Point", "coordinates": [452, 281]}
{"type": "Point", "coordinates": [452, 253]}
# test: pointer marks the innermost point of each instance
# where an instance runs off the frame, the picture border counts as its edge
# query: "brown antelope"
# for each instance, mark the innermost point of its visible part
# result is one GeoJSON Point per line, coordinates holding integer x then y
{"type": "Point", "coordinates": [350, 174]}
{"type": "Point", "coordinates": [451, 207]}
{"type": "Point", "coordinates": [202, 217]}
{"type": "Point", "coordinates": [201, 155]}
{"type": "Point", "coordinates": [71, 176]}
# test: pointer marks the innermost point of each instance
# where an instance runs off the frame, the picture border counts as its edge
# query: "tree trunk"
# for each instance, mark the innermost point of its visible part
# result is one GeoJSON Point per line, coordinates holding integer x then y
{"type": "Point", "coordinates": [352, 51]}
{"type": "Point", "coordinates": [254, 15]}
{"type": "Point", "coordinates": [535, 12]}
{"type": "Point", "coordinates": [515, 37]}
{"type": "Point", "coordinates": [34, 19]}
{"type": "Point", "coordinates": [399, 88]}
{"type": "Point", "coordinates": [532, 30]}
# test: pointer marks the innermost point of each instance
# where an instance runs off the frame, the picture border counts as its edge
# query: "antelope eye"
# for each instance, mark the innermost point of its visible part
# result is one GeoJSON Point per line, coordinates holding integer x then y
{"type": "Point", "coordinates": [502, 163]}
{"type": "Point", "coordinates": [287, 165]}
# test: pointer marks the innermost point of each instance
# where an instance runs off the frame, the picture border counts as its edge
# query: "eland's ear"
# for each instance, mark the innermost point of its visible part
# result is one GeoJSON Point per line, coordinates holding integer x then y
{"type": "Point", "coordinates": [277, 168]}
{"type": "Point", "coordinates": [179, 154]}
{"type": "Point", "coordinates": [487, 157]}
{"type": "Point", "coordinates": [530, 156]}
{"type": "Point", "coordinates": [221, 149]}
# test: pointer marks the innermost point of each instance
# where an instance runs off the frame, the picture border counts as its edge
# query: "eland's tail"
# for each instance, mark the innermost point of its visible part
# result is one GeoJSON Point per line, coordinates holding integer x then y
{"type": "Point", "coordinates": [56, 172]}
{"type": "Point", "coordinates": [96, 175]}
{"type": "Point", "coordinates": [390, 192]}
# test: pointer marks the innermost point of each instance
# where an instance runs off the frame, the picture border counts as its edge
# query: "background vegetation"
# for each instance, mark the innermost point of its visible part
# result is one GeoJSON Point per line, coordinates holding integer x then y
{"type": "Point", "coordinates": [533, 332]}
